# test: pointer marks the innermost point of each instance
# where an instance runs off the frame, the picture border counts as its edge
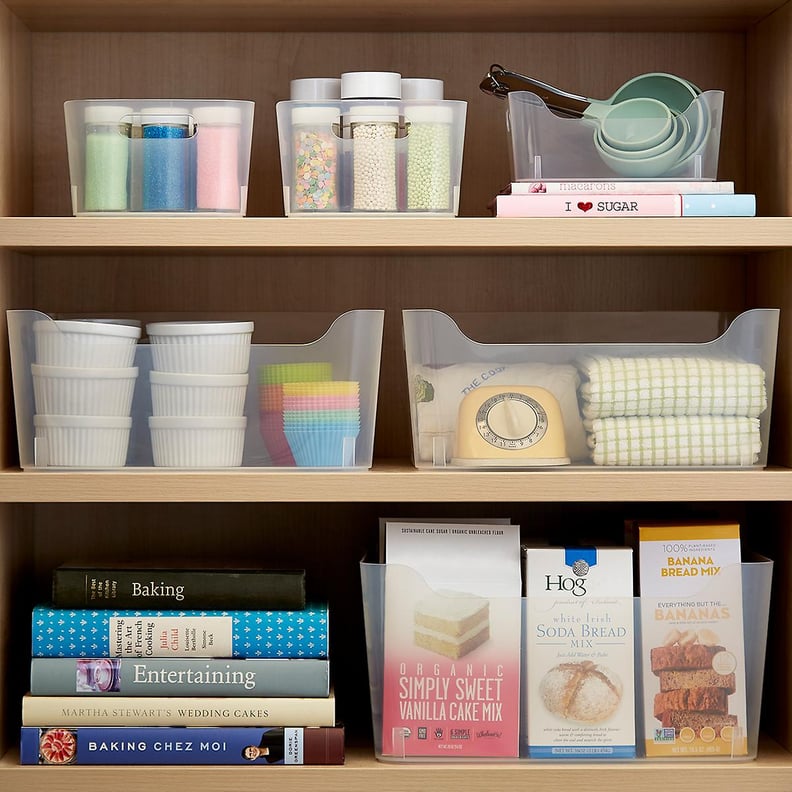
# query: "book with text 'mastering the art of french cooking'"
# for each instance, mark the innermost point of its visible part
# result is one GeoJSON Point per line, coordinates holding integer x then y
{"type": "Point", "coordinates": [149, 633]}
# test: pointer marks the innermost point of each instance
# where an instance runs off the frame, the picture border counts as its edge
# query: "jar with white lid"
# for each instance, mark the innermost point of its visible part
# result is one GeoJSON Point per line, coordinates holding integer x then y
{"type": "Point", "coordinates": [374, 129]}
{"type": "Point", "coordinates": [429, 149]}
{"type": "Point", "coordinates": [218, 182]}
{"type": "Point", "coordinates": [107, 133]}
{"type": "Point", "coordinates": [166, 158]}
{"type": "Point", "coordinates": [315, 144]}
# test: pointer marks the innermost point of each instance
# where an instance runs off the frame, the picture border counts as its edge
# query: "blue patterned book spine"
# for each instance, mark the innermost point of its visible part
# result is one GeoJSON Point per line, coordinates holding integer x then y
{"type": "Point", "coordinates": [146, 634]}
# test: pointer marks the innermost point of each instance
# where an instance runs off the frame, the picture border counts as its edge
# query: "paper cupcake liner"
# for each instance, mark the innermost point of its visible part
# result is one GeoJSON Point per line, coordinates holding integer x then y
{"type": "Point", "coordinates": [326, 388]}
{"type": "Point", "coordinates": [278, 373]}
{"type": "Point", "coordinates": [319, 449]}
{"type": "Point", "coordinates": [327, 402]}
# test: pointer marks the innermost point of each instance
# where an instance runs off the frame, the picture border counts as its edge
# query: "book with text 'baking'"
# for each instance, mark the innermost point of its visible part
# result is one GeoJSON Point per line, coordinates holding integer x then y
{"type": "Point", "coordinates": [133, 587]}
{"type": "Point", "coordinates": [59, 632]}
{"type": "Point", "coordinates": [162, 745]}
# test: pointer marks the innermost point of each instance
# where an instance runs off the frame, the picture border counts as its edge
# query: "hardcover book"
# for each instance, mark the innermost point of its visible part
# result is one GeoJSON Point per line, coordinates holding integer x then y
{"type": "Point", "coordinates": [692, 634]}
{"type": "Point", "coordinates": [177, 711]}
{"type": "Point", "coordinates": [451, 682]}
{"type": "Point", "coordinates": [162, 745]}
{"type": "Point", "coordinates": [88, 587]}
{"type": "Point", "coordinates": [151, 633]}
{"type": "Point", "coordinates": [631, 187]}
{"type": "Point", "coordinates": [110, 676]}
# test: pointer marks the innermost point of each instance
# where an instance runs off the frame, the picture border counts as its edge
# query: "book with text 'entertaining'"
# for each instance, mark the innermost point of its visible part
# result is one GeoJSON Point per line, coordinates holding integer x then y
{"type": "Point", "coordinates": [176, 676]}
{"type": "Point", "coordinates": [89, 587]}
{"type": "Point", "coordinates": [190, 633]}
{"type": "Point", "coordinates": [109, 745]}
{"type": "Point", "coordinates": [625, 205]}
{"type": "Point", "coordinates": [177, 711]}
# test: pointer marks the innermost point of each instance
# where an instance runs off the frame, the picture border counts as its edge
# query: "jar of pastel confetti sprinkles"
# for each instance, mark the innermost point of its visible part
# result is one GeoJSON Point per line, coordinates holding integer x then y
{"type": "Point", "coordinates": [315, 148]}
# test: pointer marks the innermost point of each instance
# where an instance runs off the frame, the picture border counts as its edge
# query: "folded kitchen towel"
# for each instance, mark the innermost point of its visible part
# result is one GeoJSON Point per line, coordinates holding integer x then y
{"type": "Point", "coordinates": [621, 386]}
{"type": "Point", "coordinates": [437, 392]}
{"type": "Point", "coordinates": [695, 440]}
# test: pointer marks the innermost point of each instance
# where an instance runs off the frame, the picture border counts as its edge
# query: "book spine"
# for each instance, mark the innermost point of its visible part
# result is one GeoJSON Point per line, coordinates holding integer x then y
{"type": "Point", "coordinates": [177, 711]}
{"type": "Point", "coordinates": [157, 588]}
{"type": "Point", "coordinates": [163, 745]}
{"type": "Point", "coordinates": [598, 205]}
{"type": "Point", "coordinates": [125, 633]}
{"type": "Point", "coordinates": [740, 205]}
{"type": "Point", "coordinates": [622, 187]}
{"type": "Point", "coordinates": [103, 676]}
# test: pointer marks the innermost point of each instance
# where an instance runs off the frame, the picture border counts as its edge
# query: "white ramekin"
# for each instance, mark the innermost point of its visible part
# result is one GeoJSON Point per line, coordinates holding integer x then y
{"type": "Point", "coordinates": [65, 390]}
{"type": "Point", "coordinates": [81, 440]}
{"type": "Point", "coordinates": [197, 441]}
{"type": "Point", "coordinates": [200, 347]}
{"type": "Point", "coordinates": [198, 394]}
{"type": "Point", "coordinates": [85, 344]}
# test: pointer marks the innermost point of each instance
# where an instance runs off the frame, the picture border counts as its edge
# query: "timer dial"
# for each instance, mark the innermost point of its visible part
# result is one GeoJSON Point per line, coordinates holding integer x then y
{"type": "Point", "coordinates": [511, 421]}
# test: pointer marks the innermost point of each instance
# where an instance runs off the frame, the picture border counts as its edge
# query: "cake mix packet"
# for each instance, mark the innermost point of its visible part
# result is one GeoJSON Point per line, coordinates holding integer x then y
{"type": "Point", "coordinates": [579, 691]}
{"type": "Point", "coordinates": [692, 638]}
{"type": "Point", "coordinates": [452, 640]}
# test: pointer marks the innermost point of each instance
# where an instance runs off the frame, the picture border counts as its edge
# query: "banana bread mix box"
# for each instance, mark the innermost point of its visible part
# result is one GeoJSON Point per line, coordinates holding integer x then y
{"type": "Point", "coordinates": [579, 694]}
{"type": "Point", "coordinates": [692, 639]}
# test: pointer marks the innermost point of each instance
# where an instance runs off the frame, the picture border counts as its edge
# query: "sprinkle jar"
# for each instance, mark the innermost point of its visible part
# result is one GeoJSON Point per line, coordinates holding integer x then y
{"type": "Point", "coordinates": [107, 133]}
{"type": "Point", "coordinates": [166, 159]}
{"type": "Point", "coordinates": [217, 163]}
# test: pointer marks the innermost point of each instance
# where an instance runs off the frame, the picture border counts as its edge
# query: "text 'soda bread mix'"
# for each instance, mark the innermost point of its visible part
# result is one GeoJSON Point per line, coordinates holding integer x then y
{"type": "Point", "coordinates": [692, 636]}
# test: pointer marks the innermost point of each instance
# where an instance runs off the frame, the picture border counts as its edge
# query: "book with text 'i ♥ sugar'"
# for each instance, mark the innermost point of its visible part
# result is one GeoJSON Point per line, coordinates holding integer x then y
{"type": "Point", "coordinates": [149, 633]}
{"type": "Point", "coordinates": [625, 205]}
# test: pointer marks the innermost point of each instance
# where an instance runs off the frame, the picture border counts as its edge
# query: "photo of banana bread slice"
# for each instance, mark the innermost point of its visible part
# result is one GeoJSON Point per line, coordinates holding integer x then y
{"type": "Point", "coordinates": [683, 658]}
{"type": "Point", "coordinates": [704, 678]}
{"type": "Point", "coordinates": [703, 700]}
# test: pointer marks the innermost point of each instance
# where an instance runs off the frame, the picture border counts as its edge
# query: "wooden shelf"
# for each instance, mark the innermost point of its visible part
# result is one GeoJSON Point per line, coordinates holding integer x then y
{"type": "Point", "coordinates": [362, 772]}
{"type": "Point", "coordinates": [380, 15]}
{"type": "Point", "coordinates": [360, 235]}
{"type": "Point", "coordinates": [390, 481]}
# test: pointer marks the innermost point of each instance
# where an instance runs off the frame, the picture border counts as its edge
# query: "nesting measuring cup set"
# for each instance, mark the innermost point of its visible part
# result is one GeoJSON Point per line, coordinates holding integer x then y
{"type": "Point", "coordinates": [654, 126]}
{"type": "Point", "coordinates": [159, 155]}
{"type": "Point", "coordinates": [370, 142]}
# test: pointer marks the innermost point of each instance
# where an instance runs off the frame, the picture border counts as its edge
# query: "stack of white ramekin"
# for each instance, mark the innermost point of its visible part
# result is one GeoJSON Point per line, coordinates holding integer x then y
{"type": "Point", "coordinates": [199, 380]}
{"type": "Point", "coordinates": [83, 383]}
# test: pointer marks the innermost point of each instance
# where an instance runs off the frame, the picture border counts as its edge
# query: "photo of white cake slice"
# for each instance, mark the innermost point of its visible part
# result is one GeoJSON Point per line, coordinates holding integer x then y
{"type": "Point", "coordinates": [452, 623]}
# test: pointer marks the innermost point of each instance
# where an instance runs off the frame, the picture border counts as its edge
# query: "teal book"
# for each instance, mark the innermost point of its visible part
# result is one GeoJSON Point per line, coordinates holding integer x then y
{"type": "Point", "coordinates": [188, 633]}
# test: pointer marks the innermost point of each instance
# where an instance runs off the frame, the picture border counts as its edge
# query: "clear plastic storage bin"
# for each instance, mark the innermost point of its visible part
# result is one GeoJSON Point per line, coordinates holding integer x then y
{"type": "Point", "coordinates": [756, 586]}
{"type": "Point", "coordinates": [684, 389]}
{"type": "Point", "coordinates": [371, 156]}
{"type": "Point", "coordinates": [547, 146]}
{"type": "Point", "coordinates": [296, 405]}
{"type": "Point", "coordinates": [159, 155]}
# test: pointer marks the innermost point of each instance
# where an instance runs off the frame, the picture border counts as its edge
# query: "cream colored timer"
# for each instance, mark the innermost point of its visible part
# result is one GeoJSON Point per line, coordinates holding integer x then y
{"type": "Point", "coordinates": [510, 426]}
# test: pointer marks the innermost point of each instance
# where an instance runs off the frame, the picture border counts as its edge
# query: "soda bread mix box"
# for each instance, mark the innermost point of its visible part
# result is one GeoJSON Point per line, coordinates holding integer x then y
{"type": "Point", "coordinates": [692, 636]}
{"type": "Point", "coordinates": [451, 682]}
{"type": "Point", "coordinates": [579, 652]}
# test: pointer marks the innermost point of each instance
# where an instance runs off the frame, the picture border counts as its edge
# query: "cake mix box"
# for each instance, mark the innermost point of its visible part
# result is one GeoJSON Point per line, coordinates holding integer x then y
{"type": "Point", "coordinates": [692, 637]}
{"type": "Point", "coordinates": [579, 652]}
{"type": "Point", "coordinates": [451, 682]}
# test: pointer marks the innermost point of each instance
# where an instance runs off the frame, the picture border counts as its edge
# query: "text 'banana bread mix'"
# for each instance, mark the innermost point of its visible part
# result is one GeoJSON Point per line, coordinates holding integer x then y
{"type": "Point", "coordinates": [692, 640]}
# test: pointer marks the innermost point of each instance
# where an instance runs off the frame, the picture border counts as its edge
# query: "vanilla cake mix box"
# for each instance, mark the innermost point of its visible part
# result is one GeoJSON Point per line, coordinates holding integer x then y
{"type": "Point", "coordinates": [692, 635]}
{"type": "Point", "coordinates": [451, 682]}
{"type": "Point", "coordinates": [579, 688]}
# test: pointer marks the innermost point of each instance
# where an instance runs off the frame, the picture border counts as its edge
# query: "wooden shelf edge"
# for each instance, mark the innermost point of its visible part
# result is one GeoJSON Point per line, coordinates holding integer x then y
{"type": "Point", "coordinates": [362, 772]}
{"type": "Point", "coordinates": [392, 481]}
{"type": "Point", "coordinates": [355, 234]}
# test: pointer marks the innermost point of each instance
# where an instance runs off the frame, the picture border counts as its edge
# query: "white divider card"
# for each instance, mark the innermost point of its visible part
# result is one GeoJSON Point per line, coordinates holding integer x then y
{"type": "Point", "coordinates": [579, 690]}
{"type": "Point", "coordinates": [693, 644]}
{"type": "Point", "coordinates": [452, 639]}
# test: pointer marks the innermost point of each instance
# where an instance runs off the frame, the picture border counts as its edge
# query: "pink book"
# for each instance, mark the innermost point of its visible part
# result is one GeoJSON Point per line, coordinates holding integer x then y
{"type": "Point", "coordinates": [617, 187]}
{"type": "Point", "coordinates": [585, 205]}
